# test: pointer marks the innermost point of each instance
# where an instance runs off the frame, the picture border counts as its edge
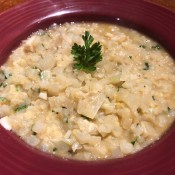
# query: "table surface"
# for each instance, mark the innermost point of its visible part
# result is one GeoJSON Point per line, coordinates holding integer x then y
{"type": "Point", "coordinates": [6, 4]}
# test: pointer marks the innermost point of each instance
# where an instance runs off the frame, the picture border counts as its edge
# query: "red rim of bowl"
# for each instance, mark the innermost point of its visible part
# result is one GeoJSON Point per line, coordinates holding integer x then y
{"type": "Point", "coordinates": [18, 23]}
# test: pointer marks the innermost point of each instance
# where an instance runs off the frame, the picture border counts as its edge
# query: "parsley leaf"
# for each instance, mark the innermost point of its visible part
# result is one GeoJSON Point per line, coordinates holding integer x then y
{"type": "Point", "coordinates": [86, 56]}
{"type": "Point", "coordinates": [21, 107]}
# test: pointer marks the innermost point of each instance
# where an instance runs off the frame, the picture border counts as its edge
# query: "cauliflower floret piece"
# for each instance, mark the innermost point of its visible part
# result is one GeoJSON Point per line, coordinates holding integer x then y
{"type": "Point", "coordinates": [90, 105]}
{"type": "Point", "coordinates": [84, 138]}
{"type": "Point", "coordinates": [16, 97]}
{"type": "Point", "coordinates": [87, 126]}
{"type": "Point", "coordinates": [126, 147]}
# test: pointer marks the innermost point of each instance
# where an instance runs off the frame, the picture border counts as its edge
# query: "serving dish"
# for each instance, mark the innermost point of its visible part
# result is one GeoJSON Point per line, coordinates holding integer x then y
{"type": "Point", "coordinates": [20, 22]}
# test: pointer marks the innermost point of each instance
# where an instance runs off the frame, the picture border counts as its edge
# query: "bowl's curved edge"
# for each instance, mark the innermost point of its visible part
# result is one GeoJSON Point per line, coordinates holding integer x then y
{"type": "Point", "coordinates": [32, 160]}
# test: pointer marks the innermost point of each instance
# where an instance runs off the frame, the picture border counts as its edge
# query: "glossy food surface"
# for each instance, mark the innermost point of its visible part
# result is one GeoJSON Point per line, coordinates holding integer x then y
{"type": "Point", "coordinates": [18, 23]}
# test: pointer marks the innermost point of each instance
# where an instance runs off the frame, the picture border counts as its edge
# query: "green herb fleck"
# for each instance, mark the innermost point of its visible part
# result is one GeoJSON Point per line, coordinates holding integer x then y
{"type": "Point", "coordinates": [3, 99]}
{"type": "Point", "coordinates": [34, 67]}
{"type": "Point", "coordinates": [3, 85]}
{"type": "Point", "coordinates": [88, 55]}
{"type": "Point", "coordinates": [43, 45]}
{"type": "Point", "coordinates": [55, 149]}
{"type": "Point", "coordinates": [142, 46]}
{"type": "Point", "coordinates": [147, 66]}
{"type": "Point", "coordinates": [156, 47]}
{"type": "Point", "coordinates": [153, 98]}
{"type": "Point", "coordinates": [54, 111]}
{"type": "Point", "coordinates": [49, 35]}
{"type": "Point", "coordinates": [169, 109]}
{"type": "Point", "coordinates": [130, 57]}
{"type": "Point", "coordinates": [17, 88]}
{"type": "Point", "coordinates": [40, 74]}
{"type": "Point", "coordinates": [21, 107]}
{"type": "Point", "coordinates": [6, 75]}
{"type": "Point", "coordinates": [134, 141]}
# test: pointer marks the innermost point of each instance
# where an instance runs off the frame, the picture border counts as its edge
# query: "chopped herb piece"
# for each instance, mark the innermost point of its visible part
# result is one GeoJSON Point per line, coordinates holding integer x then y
{"type": "Point", "coordinates": [17, 87]}
{"type": "Point", "coordinates": [3, 85]}
{"type": "Point", "coordinates": [3, 99]}
{"type": "Point", "coordinates": [5, 75]}
{"type": "Point", "coordinates": [147, 66]}
{"type": "Point", "coordinates": [49, 36]}
{"type": "Point", "coordinates": [40, 75]}
{"type": "Point", "coordinates": [134, 141]}
{"type": "Point", "coordinates": [55, 149]}
{"type": "Point", "coordinates": [130, 57]}
{"type": "Point", "coordinates": [169, 109]}
{"type": "Point", "coordinates": [21, 107]}
{"type": "Point", "coordinates": [157, 47]}
{"type": "Point", "coordinates": [54, 111]}
{"type": "Point", "coordinates": [153, 98]}
{"type": "Point", "coordinates": [35, 67]}
{"type": "Point", "coordinates": [43, 45]}
{"type": "Point", "coordinates": [142, 46]}
{"type": "Point", "coordinates": [64, 107]}
{"type": "Point", "coordinates": [86, 56]}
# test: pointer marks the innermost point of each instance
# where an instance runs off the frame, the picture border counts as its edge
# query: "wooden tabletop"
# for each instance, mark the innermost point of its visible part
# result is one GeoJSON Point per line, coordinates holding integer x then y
{"type": "Point", "coordinates": [6, 4]}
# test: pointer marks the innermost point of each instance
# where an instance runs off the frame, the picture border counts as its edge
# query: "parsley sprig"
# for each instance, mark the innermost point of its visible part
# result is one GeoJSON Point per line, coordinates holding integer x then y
{"type": "Point", "coordinates": [86, 56]}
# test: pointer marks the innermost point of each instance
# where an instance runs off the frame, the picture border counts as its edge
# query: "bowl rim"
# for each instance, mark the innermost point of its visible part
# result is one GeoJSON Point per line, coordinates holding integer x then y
{"type": "Point", "coordinates": [50, 14]}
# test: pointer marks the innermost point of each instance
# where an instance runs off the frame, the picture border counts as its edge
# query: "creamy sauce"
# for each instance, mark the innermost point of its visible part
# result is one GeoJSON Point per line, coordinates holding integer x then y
{"type": "Point", "coordinates": [117, 110]}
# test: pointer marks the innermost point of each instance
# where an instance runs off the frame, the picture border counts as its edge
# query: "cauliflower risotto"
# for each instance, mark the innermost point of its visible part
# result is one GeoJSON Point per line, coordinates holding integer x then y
{"type": "Point", "coordinates": [127, 103]}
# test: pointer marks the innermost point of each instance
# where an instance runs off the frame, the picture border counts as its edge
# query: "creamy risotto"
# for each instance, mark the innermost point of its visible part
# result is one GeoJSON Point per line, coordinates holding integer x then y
{"type": "Point", "coordinates": [124, 105]}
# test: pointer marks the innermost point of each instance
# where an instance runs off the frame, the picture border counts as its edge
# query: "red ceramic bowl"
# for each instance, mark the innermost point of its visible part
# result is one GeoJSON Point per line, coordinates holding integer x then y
{"type": "Point", "coordinates": [17, 158]}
